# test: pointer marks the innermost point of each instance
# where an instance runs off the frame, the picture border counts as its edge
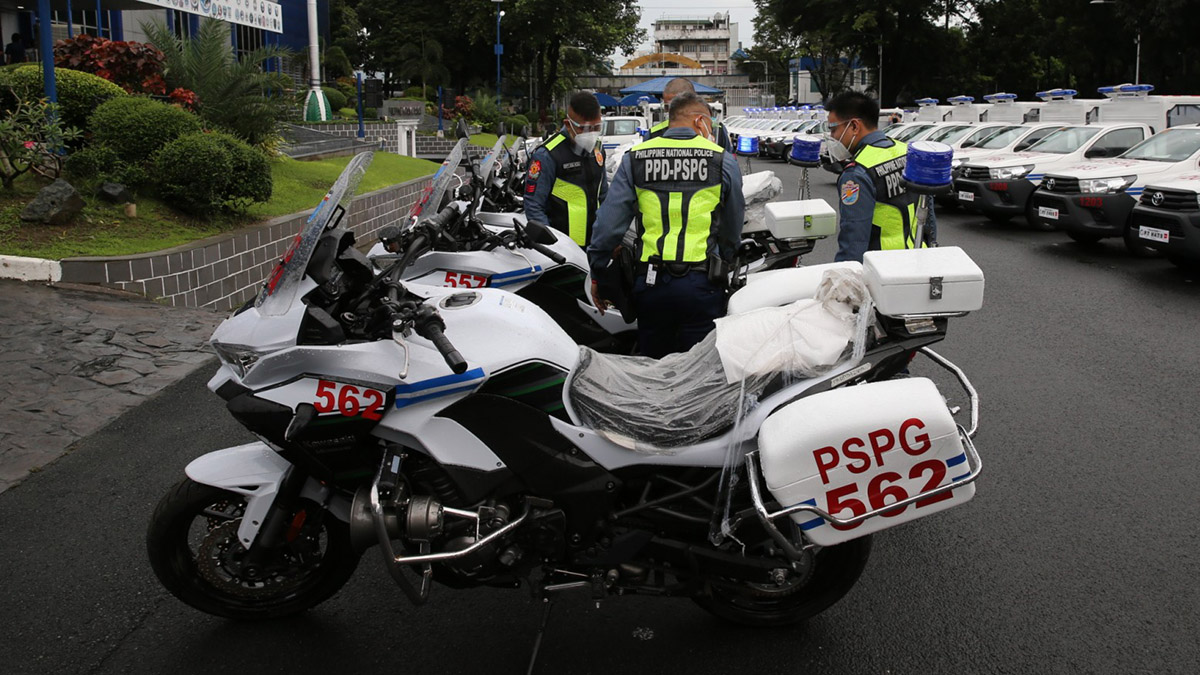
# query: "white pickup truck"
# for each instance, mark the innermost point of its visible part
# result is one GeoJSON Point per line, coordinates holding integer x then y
{"type": "Point", "coordinates": [1094, 200]}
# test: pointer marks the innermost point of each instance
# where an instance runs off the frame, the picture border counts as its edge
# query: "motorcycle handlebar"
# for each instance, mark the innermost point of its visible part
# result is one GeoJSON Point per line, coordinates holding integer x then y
{"type": "Point", "coordinates": [432, 331]}
{"type": "Point", "coordinates": [557, 258]}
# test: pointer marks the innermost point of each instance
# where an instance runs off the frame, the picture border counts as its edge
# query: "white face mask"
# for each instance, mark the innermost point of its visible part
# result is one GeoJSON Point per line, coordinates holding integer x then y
{"type": "Point", "coordinates": [586, 142]}
{"type": "Point", "coordinates": [834, 148]}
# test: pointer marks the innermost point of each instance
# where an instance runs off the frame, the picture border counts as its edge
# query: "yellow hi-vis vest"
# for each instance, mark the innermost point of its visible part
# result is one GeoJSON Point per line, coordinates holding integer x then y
{"type": "Point", "coordinates": [575, 195]}
{"type": "Point", "coordinates": [678, 186]}
{"type": "Point", "coordinates": [895, 215]}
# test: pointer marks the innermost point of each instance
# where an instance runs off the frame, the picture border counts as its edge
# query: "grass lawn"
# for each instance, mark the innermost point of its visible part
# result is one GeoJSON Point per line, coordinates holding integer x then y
{"type": "Point", "coordinates": [102, 229]}
{"type": "Point", "coordinates": [488, 140]}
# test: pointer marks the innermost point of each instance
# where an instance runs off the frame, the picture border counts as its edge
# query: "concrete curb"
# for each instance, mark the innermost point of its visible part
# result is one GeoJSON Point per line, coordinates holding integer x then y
{"type": "Point", "coordinates": [29, 269]}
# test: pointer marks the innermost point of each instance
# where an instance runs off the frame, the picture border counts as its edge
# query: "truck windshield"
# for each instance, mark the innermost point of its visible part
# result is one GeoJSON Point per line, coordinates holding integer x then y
{"type": "Point", "coordinates": [1065, 140]}
{"type": "Point", "coordinates": [1001, 138]}
{"type": "Point", "coordinates": [620, 127]}
{"type": "Point", "coordinates": [1175, 145]}
{"type": "Point", "coordinates": [948, 134]}
{"type": "Point", "coordinates": [911, 131]}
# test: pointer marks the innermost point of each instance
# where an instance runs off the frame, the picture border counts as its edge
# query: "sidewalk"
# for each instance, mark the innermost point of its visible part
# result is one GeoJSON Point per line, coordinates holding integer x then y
{"type": "Point", "coordinates": [74, 358]}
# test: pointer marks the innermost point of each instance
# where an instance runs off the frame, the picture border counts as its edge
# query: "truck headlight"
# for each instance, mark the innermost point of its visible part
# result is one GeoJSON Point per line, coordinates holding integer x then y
{"type": "Point", "coordinates": [1105, 185]}
{"type": "Point", "coordinates": [241, 359]}
{"type": "Point", "coordinates": [1010, 172]}
{"type": "Point", "coordinates": [955, 163]}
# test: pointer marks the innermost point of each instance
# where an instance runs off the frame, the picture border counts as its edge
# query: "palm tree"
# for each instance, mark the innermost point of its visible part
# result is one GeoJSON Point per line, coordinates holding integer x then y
{"type": "Point", "coordinates": [422, 60]}
{"type": "Point", "coordinates": [236, 95]}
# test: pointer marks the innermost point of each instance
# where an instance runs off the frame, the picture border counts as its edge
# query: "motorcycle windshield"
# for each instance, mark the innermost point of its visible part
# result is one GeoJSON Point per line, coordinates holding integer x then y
{"type": "Point", "coordinates": [441, 182]}
{"type": "Point", "coordinates": [279, 293]}
{"type": "Point", "coordinates": [489, 162]}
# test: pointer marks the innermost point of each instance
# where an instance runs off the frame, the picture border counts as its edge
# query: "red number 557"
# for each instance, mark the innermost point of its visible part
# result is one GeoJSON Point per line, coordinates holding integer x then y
{"type": "Point", "coordinates": [349, 400]}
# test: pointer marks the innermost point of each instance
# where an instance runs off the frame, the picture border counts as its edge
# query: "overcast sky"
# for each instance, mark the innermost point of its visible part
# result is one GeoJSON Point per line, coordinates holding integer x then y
{"type": "Point", "coordinates": [741, 12]}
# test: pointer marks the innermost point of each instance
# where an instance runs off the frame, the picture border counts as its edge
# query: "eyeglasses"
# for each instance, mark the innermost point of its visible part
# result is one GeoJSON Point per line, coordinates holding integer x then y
{"type": "Point", "coordinates": [828, 127]}
{"type": "Point", "coordinates": [583, 128]}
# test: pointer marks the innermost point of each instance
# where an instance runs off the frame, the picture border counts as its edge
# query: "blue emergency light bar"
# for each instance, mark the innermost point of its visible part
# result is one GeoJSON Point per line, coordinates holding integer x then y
{"type": "Point", "coordinates": [806, 151]}
{"type": "Point", "coordinates": [1000, 97]}
{"type": "Point", "coordinates": [747, 145]}
{"type": "Point", "coordinates": [1127, 89]}
{"type": "Point", "coordinates": [961, 99]}
{"type": "Point", "coordinates": [806, 107]}
{"type": "Point", "coordinates": [1056, 93]}
{"type": "Point", "coordinates": [927, 101]}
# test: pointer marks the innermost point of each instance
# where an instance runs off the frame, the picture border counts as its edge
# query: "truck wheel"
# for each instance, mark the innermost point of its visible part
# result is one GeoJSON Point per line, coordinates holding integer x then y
{"type": "Point", "coordinates": [1135, 246]}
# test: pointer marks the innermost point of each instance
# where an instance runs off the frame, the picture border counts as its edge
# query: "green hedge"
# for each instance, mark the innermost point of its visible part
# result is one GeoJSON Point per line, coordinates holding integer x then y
{"type": "Point", "coordinates": [78, 93]}
{"type": "Point", "coordinates": [137, 127]}
{"type": "Point", "coordinates": [202, 173]}
{"type": "Point", "coordinates": [337, 100]}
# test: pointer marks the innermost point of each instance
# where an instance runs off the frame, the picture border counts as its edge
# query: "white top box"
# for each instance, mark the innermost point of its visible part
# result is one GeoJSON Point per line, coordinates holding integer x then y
{"type": "Point", "coordinates": [922, 282]}
{"type": "Point", "coordinates": [803, 219]}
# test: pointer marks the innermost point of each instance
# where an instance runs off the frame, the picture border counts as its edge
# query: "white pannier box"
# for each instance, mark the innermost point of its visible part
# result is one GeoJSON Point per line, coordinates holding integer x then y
{"type": "Point", "coordinates": [921, 282]}
{"type": "Point", "coordinates": [853, 450]}
{"type": "Point", "coordinates": [803, 219]}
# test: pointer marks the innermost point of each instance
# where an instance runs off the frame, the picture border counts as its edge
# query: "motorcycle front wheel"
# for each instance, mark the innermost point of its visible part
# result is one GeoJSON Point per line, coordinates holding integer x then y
{"type": "Point", "coordinates": [195, 552]}
{"type": "Point", "coordinates": [828, 574]}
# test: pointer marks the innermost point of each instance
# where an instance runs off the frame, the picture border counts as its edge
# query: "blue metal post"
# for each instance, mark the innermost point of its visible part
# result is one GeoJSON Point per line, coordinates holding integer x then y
{"type": "Point", "coordinates": [46, 47]}
{"type": "Point", "coordinates": [499, 51]}
{"type": "Point", "coordinates": [362, 130]}
{"type": "Point", "coordinates": [70, 26]}
{"type": "Point", "coordinates": [439, 110]}
{"type": "Point", "coordinates": [99, 20]}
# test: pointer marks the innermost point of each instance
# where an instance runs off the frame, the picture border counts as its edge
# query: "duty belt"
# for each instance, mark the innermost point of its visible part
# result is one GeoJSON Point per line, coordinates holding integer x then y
{"type": "Point", "coordinates": [675, 269]}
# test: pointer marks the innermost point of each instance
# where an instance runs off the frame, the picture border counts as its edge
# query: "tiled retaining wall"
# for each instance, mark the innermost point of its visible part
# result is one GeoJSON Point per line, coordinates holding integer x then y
{"type": "Point", "coordinates": [432, 146]}
{"type": "Point", "coordinates": [389, 132]}
{"type": "Point", "coordinates": [225, 271]}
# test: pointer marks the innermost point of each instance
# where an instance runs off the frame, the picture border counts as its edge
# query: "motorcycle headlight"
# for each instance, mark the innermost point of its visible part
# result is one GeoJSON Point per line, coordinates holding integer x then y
{"type": "Point", "coordinates": [1105, 185]}
{"type": "Point", "coordinates": [1010, 172]}
{"type": "Point", "coordinates": [240, 358]}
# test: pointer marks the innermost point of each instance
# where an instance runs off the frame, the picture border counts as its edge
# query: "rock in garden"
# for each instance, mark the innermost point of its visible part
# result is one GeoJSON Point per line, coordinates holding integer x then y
{"type": "Point", "coordinates": [56, 204]}
{"type": "Point", "coordinates": [114, 192]}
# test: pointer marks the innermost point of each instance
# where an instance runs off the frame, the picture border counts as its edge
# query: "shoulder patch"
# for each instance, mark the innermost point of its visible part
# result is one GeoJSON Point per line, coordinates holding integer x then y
{"type": "Point", "coordinates": [535, 169]}
{"type": "Point", "coordinates": [599, 157]}
{"type": "Point", "coordinates": [850, 191]}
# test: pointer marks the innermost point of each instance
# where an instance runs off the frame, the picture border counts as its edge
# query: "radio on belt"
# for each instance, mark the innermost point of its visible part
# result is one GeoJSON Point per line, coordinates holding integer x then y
{"type": "Point", "coordinates": [801, 219]}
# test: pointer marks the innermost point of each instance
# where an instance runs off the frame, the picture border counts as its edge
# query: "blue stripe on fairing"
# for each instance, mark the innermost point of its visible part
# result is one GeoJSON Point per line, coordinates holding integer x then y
{"type": "Point", "coordinates": [815, 522]}
{"type": "Point", "coordinates": [965, 475]}
{"type": "Point", "coordinates": [403, 402]}
{"type": "Point", "coordinates": [517, 273]}
{"type": "Point", "coordinates": [955, 461]}
{"type": "Point", "coordinates": [423, 385]}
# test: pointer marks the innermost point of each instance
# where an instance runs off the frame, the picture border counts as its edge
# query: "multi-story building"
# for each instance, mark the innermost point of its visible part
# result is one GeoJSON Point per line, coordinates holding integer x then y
{"type": "Point", "coordinates": [706, 40]}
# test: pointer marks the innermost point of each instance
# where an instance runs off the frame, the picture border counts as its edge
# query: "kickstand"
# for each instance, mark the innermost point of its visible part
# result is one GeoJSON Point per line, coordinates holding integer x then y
{"type": "Point", "coordinates": [537, 641]}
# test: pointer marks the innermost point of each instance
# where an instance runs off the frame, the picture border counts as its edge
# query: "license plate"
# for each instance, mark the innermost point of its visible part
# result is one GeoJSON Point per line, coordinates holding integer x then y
{"type": "Point", "coordinates": [1047, 212]}
{"type": "Point", "coordinates": [1154, 234]}
{"type": "Point", "coordinates": [964, 196]}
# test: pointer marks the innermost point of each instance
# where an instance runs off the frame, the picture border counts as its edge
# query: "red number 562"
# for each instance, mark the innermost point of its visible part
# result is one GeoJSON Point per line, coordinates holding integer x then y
{"type": "Point", "coordinates": [345, 399]}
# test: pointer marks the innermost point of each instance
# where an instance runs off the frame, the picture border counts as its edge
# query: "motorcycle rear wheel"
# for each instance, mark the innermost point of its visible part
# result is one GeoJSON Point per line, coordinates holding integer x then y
{"type": "Point", "coordinates": [835, 570]}
{"type": "Point", "coordinates": [194, 551]}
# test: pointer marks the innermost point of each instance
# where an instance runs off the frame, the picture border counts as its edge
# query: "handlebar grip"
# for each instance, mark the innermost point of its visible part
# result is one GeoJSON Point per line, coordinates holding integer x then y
{"type": "Point", "coordinates": [443, 217]}
{"type": "Point", "coordinates": [556, 257]}
{"type": "Point", "coordinates": [434, 334]}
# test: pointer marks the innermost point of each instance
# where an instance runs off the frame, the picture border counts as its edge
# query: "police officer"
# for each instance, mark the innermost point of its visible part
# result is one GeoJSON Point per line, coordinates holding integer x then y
{"type": "Point", "coordinates": [566, 181]}
{"type": "Point", "coordinates": [685, 192]}
{"type": "Point", "coordinates": [682, 85]}
{"type": "Point", "coordinates": [876, 211]}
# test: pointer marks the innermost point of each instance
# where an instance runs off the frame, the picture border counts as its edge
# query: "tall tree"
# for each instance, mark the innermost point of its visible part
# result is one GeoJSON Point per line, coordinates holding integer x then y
{"type": "Point", "coordinates": [422, 60]}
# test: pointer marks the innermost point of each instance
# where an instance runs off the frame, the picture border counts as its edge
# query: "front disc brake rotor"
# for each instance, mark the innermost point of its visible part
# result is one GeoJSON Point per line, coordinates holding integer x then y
{"type": "Point", "coordinates": [219, 562]}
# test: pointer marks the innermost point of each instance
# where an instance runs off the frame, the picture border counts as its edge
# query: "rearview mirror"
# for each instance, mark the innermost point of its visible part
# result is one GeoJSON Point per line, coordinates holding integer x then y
{"type": "Point", "coordinates": [461, 130]}
{"type": "Point", "coordinates": [539, 232]}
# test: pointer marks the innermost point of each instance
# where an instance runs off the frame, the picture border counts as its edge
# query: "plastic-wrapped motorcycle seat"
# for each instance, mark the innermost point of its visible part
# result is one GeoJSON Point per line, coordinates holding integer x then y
{"type": "Point", "coordinates": [773, 288]}
{"type": "Point", "coordinates": [655, 406]}
{"type": "Point", "coordinates": [676, 401]}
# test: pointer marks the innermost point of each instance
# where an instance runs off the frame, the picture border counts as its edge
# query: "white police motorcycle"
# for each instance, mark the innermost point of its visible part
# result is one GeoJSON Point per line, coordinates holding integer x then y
{"type": "Point", "coordinates": [465, 436]}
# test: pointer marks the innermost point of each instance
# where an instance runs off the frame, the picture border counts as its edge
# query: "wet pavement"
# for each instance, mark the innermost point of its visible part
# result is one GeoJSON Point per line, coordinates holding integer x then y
{"type": "Point", "coordinates": [75, 358]}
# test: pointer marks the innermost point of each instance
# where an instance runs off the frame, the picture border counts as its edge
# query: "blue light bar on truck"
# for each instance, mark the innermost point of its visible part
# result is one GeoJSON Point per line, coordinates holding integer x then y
{"type": "Point", "coordinates": [1000, 97]}
{"type": "Point", "coordinates": [1056, 93]}
{"type": "Point", "coordinates": [1126, 89]}
{"type": "Point", "coordinates": [961, 99]}
{"type": "Point", "coordinates": [927, 101]}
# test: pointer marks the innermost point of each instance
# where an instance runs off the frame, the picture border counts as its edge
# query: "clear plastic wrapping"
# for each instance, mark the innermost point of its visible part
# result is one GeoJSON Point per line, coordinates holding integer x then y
{"type": "Point", "coordinates": [660, 406]}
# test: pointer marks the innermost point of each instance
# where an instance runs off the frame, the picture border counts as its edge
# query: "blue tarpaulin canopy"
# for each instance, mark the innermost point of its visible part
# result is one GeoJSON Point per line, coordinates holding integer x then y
{"type": "Point", "coordinates": [636, 99]}
{"type": "Point", "coordinates": [656, 85]}
{"type": "Point", "coordinates": [606, 101]}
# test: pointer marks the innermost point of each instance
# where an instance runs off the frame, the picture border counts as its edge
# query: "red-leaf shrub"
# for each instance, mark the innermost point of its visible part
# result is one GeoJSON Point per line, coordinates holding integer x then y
{"type": "Point", "coordinates": [135, 67]}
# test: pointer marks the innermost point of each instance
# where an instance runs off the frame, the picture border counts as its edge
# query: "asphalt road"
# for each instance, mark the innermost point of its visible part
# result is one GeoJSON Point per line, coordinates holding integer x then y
{"type": "Point", "coordinates": [1080, 552]}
